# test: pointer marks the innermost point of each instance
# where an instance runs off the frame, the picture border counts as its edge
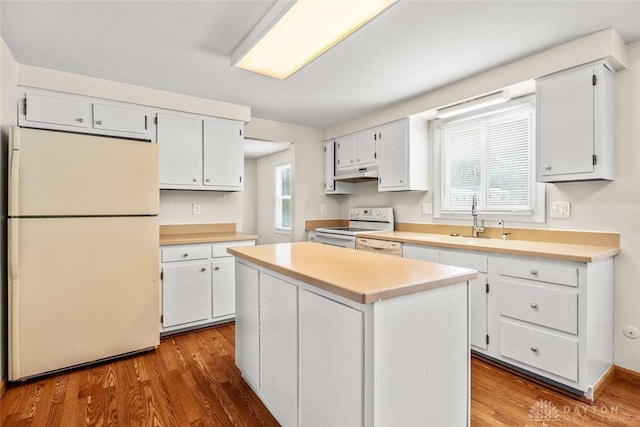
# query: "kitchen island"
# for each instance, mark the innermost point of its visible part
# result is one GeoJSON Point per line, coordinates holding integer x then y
{"type": "Point", "coordinates": [331, 336]}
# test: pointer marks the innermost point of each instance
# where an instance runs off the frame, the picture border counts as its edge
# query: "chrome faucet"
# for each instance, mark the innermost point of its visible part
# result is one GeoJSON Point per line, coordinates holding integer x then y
{"type": "Point", "coordinates": [476, 229]}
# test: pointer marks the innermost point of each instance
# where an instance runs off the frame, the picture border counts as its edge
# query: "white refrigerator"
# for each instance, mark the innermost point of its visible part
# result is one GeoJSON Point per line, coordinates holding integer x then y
{"type": "Point", "coordinates": [83, 244]}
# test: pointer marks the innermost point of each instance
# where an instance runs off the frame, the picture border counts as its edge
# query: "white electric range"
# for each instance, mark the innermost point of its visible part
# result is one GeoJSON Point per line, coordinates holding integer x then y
{"type": "Point", "coordinates": [361, 220]}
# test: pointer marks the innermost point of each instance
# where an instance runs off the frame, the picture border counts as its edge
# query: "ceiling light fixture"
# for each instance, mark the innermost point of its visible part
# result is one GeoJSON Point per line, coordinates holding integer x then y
{"type": "Point", "coordinates": [292, 34]}
{"type": "Point", "coordinates": [473, 104]}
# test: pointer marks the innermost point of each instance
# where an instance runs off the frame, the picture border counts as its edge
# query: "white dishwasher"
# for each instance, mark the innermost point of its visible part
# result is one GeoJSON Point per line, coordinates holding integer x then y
{"type": "Point", "coordinates": [380, 246]}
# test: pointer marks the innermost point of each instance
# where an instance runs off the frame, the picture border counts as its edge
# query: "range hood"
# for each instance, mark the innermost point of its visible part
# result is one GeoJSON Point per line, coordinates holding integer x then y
{"type": "Point", "coordinates": [358, 175]}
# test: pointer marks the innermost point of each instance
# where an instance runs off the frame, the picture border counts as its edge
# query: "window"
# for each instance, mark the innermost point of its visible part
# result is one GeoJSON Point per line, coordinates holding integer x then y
{"type": "Point", "coordinates": [283, 197]}
{"type": "Point", "coordinates": [490, 154]}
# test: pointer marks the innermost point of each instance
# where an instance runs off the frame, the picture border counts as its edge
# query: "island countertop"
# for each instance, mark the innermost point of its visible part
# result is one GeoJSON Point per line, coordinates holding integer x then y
{"type": "Point", "coordinates": [362, 277]}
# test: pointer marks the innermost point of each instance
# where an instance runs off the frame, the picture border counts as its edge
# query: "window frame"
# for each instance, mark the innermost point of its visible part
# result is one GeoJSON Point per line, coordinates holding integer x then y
{"type": "Point", "coordinates": [279, 198]}
{"type": "Point", "coordinates": [537, 190]}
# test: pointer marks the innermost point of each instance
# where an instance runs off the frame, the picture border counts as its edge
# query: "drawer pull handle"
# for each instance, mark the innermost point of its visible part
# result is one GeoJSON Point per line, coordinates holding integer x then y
{"type": "Point", "coordinates": [534, 272]}
{"type": "Point", "coordinates": [533, 305]}
{"type": "Point", "coordinates": [184, 255]}
{"type": "Point", "coordinates": [534, 349]}
{"type": "Point", "coordinates": [203, 269]}
{"type": "Point", "coordinates": [217, 268]}
{"type": "Point", "coordinates": [98, 122]}
{"type": "Point", "coordinates": [79, 120]}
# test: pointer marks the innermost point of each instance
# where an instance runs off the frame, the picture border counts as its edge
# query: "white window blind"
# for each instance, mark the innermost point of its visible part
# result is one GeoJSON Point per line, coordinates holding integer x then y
{"type": "Point", "coordinates": [283, 197]}
{"type": "Point", "coordinates": [492, 155]}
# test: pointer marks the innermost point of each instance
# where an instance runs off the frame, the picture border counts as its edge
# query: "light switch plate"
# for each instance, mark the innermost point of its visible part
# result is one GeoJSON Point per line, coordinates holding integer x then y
{"type": "Point", "coordinates": [427, 209]}
{"type": "Point", "coordinates": [560, 210]}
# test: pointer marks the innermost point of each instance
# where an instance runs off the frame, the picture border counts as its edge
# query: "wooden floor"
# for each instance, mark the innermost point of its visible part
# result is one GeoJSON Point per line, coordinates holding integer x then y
{"type": "Point", "coordinates": [191, 380]}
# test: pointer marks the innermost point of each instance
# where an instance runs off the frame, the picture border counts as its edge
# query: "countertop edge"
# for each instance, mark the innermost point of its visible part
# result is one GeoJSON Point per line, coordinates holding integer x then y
{"type": "Point", "coordinates": [183, 239]}
{"type": "Point", "coordinates": [605, 252]}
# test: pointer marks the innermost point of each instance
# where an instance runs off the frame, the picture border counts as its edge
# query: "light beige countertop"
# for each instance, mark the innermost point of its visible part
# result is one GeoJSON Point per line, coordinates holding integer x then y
{"type": "Point", "coordinates": [363, 277]}
{"type": "Point", "coordinates": [555, 250]}
{"type": "Point", "coordinates": [179, 234]}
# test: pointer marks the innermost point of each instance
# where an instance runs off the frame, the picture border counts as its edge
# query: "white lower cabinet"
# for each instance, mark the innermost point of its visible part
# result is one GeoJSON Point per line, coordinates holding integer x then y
{"type": "Point", "coordinates": [478, 288]}
{"type": "Point", "coordinates": [551, 318]}
{"type": "Point", "coordinates": [279, 348]}
{"type": "Point", "coordinates": [317, 359]}
{"type": "Point", "coordinates": [186, 293]}
{"type": "Point", "coordinates": [331, 362]}
{"type": "Point", "coordinates": [198, 285]}
{"type": "Point", "coordinates": [248, 323]}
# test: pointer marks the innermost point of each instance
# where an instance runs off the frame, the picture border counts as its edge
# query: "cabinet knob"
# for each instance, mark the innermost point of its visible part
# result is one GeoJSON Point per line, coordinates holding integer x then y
{"type": "Point", "coordinates": [533, 305]}
{"type": "Point", "coordinates": [98, 122]}
{"type": "Point", "coordinates": [547, 167]}
{"type": "Point", "coordinates": [207, 180]}
{"type": "Point", "coordinates": [402, 181]}
{"type": "Point", "coordinates": [79, 120]}
{"type": "Point", "coordinates": [357, 160]}
{"type": "Point", "coordinates": [534, 272]}
{"type": "Point", "coordinates": [534, 349]}
{"type": "Point", "coordinates": [194, 180]}
{"type": "Point", "coordinates": [203, 269]}
{"type": "Point", "coordinates": [217, 268]}
{"type": "Point", "coordinates": [184, 255]}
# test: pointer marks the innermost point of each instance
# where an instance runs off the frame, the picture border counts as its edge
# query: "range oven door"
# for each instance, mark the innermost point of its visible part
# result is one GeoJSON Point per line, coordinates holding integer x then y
{"type": "Point", "coordinates": [341, 240]}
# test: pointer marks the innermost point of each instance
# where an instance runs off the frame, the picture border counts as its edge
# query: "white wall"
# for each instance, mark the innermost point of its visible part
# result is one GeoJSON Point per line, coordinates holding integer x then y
{"type": "Point", "coordinates": [176, 207]}
{"type": "Point", "coordinates": [307, 170]}
{"type": "Point", "coordinates": [266, 212]}
{"type": "Point", "coordinates": [8, 117]}
{"type": "Point", "coordinates": [250, 198]}
{"type": "Point", "coordinates": [595, 206]}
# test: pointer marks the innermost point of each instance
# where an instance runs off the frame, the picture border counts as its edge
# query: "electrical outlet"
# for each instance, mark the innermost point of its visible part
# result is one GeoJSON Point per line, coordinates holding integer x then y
{"type": "Point", "coordinates": [631, 332]}
{"type": "Point", "coordinates": [560, 210]}
{"type": "Point", "coordinates": [196, 209]}
{"type": "Point", "coordinates": [323, 208]}
{"type": "Point", "coordinates": [427, 209]}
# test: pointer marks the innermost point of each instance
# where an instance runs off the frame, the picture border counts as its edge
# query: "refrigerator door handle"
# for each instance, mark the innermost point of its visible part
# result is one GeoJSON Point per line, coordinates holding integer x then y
{"type": "Point", "coordinates": [14, 171]}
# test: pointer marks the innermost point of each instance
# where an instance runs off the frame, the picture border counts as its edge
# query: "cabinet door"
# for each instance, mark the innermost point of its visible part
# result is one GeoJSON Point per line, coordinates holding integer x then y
{"type": "Point", "coordinates": [248, 323]}
{"type": "Point", "coordinates": [478, 320]}
{"type": "Point", "coordinates": [279, 347]}
{"type": "Point", "coordinates": [393, 165]}
{"type": "Point", "coordinates": [186, 293]}
{"type": "Point", "coordinates": [331, 362]}
{"type": "Point", "coordinates": [58, 111]}
{"type": "Point", "coordinates": [329, 166]}
{"type": "Point", "coordinates": [223, 155]}
{"type": "Point", "coordinates": [223, 293]}
{"type": "Point", "coordinates": [565, 117]}
{"type": "Point", "coordinates": [345, 152]}
{"type": "Point", "coordinates": [366, 144]}
{"type": "Point", "coordinates": [121, 119]}
{"type": "Point", "coordinates": [180, 144]}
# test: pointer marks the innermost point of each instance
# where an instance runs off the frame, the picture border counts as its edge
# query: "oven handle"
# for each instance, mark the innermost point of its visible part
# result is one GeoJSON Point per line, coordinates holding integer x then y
{"type": "Point", "coordinates": [335, 236]}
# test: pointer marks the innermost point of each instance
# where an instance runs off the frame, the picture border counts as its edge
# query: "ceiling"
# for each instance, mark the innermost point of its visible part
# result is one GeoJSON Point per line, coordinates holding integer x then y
{"type": "Point", "coordinates": [412, 48]}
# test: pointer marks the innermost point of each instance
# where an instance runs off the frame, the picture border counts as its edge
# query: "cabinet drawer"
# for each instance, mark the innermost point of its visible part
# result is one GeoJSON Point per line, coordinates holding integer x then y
{"type": "Point", "coordinates": [466, 260]}
{"type": "Point", "coordinates": [542, 272]}
{"type": "Point", "coordinates": [547, 351]}
{"type": "Point", "coordinates": [553, 308]}
{"type": "Point", "coordinates": [184, 253]}
{"type": "Point", "coordinates": [220, 249]}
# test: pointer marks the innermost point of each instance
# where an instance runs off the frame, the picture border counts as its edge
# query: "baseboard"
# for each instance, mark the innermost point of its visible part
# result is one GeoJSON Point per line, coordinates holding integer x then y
{"type": "Point", "coordinates": [599, 387]}
{"type": "Point", "coordinates": [627, 375]}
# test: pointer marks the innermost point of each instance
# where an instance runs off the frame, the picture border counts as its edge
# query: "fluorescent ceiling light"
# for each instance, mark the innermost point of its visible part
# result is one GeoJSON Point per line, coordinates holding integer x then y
{"type": "Point", "coordinates": [293, 34]}
{"type": "Point", "coordinates": [473, 104]}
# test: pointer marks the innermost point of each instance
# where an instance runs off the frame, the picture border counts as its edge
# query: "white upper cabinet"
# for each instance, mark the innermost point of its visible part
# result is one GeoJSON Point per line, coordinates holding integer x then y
{"type": "Point", "coordinates": [356, 151]}
{"type": "Point", "coordinates": [74, 113]}
{"type": "Point", "coordinates": [223, 155]}
{"type": "Point", "coordinates": [575, 124]}
{"type": "Point", "coordinates": [331, 186]}
{"type": "Point", "coordinates": [402, 163]}
{"type": "Point", "coordinates": [180, 143]}
{"type": "Point", "coordinates": [199, 152]}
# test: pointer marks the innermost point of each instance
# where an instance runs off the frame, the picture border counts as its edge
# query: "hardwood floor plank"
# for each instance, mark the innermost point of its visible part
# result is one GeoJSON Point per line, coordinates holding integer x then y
{"type": "Point", "coordinates": [192, 380]}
